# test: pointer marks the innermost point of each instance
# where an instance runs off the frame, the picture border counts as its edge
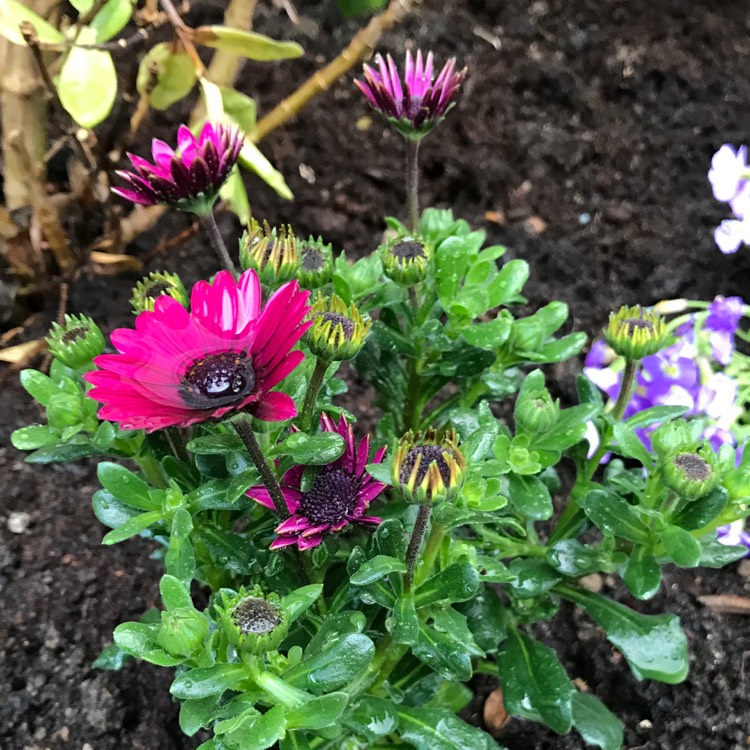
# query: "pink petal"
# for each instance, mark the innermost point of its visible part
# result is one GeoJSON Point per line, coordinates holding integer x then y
{"type": "Point", "coordinates": [293, 525]}
{"type": "Point", "coordinates": [309, 542]}
{"type": "Point", "coordinates": [260, 495]}
{"type": "Point", "coordinates": [162, 154]}
{"type": "Point", "coordinates": [274, 407]}
{"type": "Point", "coordinates": [283, 541]}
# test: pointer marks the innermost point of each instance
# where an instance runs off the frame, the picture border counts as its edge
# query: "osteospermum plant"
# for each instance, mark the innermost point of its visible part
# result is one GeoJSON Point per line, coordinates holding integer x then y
{"type": "Point", "coordinates": [338, 568]}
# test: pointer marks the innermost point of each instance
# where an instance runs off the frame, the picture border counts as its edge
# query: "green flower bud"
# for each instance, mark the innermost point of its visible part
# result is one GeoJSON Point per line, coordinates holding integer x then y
{"type": "Point", "coordinates": [338, 331]}
{"type": "Point", "coordinates": [153, 286]}
{"type": "Point", "coordinates": [635, 332]}
{"type": "Point", "coordinates": [76, 342]}
{"type": "Point", "coordinates": [183, 631]}
{"type": "Point", "coordinates": [252, 622]}
{"type": "Point", "coordinates": [536, 413]}
{"type": "Point", "coordinates": [428, 466]}
{"type": "Point", "coordinates": [692, 474]}
{"type": "Point", "coordinates": [405, 260]}
{"type": "Point", "coordinates": [315, 263]}
{"type": "Point", "coordinates": [271, 252]}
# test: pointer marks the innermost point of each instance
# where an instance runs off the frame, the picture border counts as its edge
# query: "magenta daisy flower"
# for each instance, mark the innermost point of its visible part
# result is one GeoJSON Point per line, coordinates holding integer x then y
{"type": "Point", "coordinates": [339, 495]}
{"type": "Point", "coordinates": [180, 368]}
{"type": "Point", "coordinates": [188, 178]}
{"type": "Point", "coordinates": [415, 104]}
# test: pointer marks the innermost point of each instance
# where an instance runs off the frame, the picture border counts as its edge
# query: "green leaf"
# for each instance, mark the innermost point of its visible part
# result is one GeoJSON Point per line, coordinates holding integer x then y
{"type": "Point", "coordinates": [596, 723]}
{"type": "Point", "coordinates": [532, 577]}
{"type": "Point", "coordinates": [175, 75]}
{"type": "Point", "coordinates": [251, 157]}
{"type": "Point", "coordinates": [451, 516]}
{"type": "Point", "coordinates": [336, 626]}
{"type": "Point", "coordinates": [216, 445]}
{"type": "Point", "coordinates": [343, 660]}
{"type": "Point", "coordinates": [451, 262]}
{"type": "Point", "coordinates": [507, 285]}
{"type": "Point", "coordinates": [643, 574]}
{"type": "Point", "coordinates": [683, 549]}
{"type": "Point", "coordinates": [654, 645]}
{"type": "Point", "coordinates": [87, 85]}
{"type": "Point", "coordinates": [441, 652]}
{"type": "Point", "coordinates": [530, 497]}
{"type": "Point", "coordinates": [572, 558]}
{"type": "Point", "coordinates": [36, 436]}
{"type": "Point", "coordinates": [714, 554]}
{"type": "Point", "coordinates": [139, 639]}
{"type": "Point", "coordinates": [39, 386]}
{"type": "Point", "coordinates": [313, 450]}
{"type": "Point", "coordinates": [229, 550]}
{"type": "Point", "coordinates": [490, 335]}
{"type": "Point", "coordinates": [131, 527]}
{"type": "Point", "coordinates": [630, 445]}
{"type": "Point", "coordinates": [126, 486]}
{"type": "Point", "coordinates": [654, 415]}
{"type": "Point", "coordinates": [205, 681]}
{"type": "Point", "coordinates": [111, 511]}
{"type": "Point", "coordinates": [439, 729]}
{"type": "Point", "coordinates": [64, 410]}
{"type": "Point", "coordinates": [568, 430]}
{"type": "Point", "coordinates": [486, 618]}
{"type": "Point", "coordinates": [376, 568]}
{"type": "Point", "coordinates": [173, 593]}
{"type": "Point", "coordinates": [535, 684]}
{"type": "Point", "coordinates": [353, 8]}
{"type": "Point", "coordinates": [180, 558]}
{"type": "Point", "coordinates": [233, 191]}
{"type": "Point", "coordinates": [317, 712]}
{"type": "Point", "coordinates": [198, 713]}
{"type": "Point", "coordinates": [301, 600]}
{"type": "Point", "coordinates": [112, 658]}
{"type": "Point", "coordinates": [239, 108]}
{"type": "Point", "coordinates": [403, 623]}
{"type": "Point", "coordinates": [456, 583]}
{"type": "Point", "coordinates": [13, 13]}
{"type": "Point", "coordinates": [246, 43]}
{"type": "Point", "coordinates": [702, 511]}
{"type": "Point", "coordinates": [112, 19]}
{"type": "Point", "coordinates": [372, 718]}
{"type": "Point", "coordinates": [613, 515]}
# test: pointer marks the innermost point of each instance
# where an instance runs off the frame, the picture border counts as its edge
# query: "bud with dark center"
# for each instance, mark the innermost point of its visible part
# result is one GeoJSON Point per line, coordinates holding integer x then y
{"type": "Point", "coordinates": [428, 466]}
{"type": "Point", "coordinates": [405, 260]}
{"type": "Point", "coordinates": [272, 252]}
{"type": "Point", "coordinates": [252, 621]}
{"type": "Point", "coordinates": [316, 263]}
{"type": "Point", "coordinates": [338, 330]}
{"type": "Point", "coordinates": [153, 286]}
{"type": "Point", "coordinates": [76, 342]}
{"type": "Point", "coordinates": [635, 332]}
{"type": "Point", "coordinates": [692, 474]}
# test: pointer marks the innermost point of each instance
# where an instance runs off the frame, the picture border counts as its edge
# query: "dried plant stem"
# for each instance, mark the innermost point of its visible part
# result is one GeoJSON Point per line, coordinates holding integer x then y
{"type": "Point", "coordinates": [245, 431]}
{"type": "Point", "coordinates": [363, 44]}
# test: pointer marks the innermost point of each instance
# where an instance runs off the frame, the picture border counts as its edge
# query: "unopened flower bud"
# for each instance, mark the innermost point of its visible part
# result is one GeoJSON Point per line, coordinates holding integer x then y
{"type": "Point", "coordinates": [338, 330]}
{"type": "Point", "coordinates": [315, 263]}
{"type": "Point", "coordinates": [405, 260]}
{"type": "Point", "coordinates": [271, 252]}
{"type": "Point", "coordinates": [153, 286]}
{"type": "Point", "coordinates": [76, 342]}
{"type": "Point", "coordinates": [428, 466]}
{"type": "Point", "coordinates": [536, 413]}
{"type": "Point", "coordinates": [692, 474]}
{"type": "Point", "coordinates": [183, 631]}
{"type": "Point", "coordinates": [635, 332]}
{"type": "Point", "coordinates": [253, 622]}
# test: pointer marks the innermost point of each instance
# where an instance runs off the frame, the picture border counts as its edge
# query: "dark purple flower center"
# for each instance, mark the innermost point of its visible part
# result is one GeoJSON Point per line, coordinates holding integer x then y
{"type": "Point", "coordinates": [406, 251]}
{"type": "Point", "coordinates": [693, 467]}
{"type": "Point", "coordinates": [74, 334]}
{"type": "Point", "coordinates": [218, 380]}
{"type": "Point", "coordinates": [256, 616]}
{"type": "Point", "coordinates": [427, 454]}
{"type": "Point", "coordinates": [331, 498]}
{"type": "Point", "coordinates": [338, 319]}
{"type": "Point", "coordinates": [312, 259]}
{"type": "Point", "coordinates": [634, 324]}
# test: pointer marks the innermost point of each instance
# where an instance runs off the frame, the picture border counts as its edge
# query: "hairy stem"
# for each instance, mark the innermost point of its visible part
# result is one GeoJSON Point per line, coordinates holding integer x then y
{"type": "Point", "coordinates": [415, 543]}
{"type": "Point", "coordinates": [209, 222]}
{"type": "Point", "coordinates": [412, 183]}
{"type": "Point", "coordinates": [313, 389]}
{"type": "Point", "coordinates": [245, 431]}
{"type": "Point", "coordinates": [431, 550]}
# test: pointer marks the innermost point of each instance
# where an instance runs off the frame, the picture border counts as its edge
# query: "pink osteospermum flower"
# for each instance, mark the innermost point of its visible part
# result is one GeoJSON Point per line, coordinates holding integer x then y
{"type": "Point", "coordinates": [188, 178]}
{"type": "Point", "coordinates": [178, 368]}
{"type": "Point", "coordinates": [416, 103]}
{"type": "Point", "coordinates": [339, 496]}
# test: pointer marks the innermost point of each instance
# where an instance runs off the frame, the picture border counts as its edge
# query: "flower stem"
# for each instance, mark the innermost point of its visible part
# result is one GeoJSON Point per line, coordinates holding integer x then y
{"type": "Point", "coordinates": [209, 222]}
{"type": "Point", "coordinates": [431, 550]}
{"type": "Point", "coordinates": [415, 543]}
{"type": "Point", "coordinates": [313, 389]}
{"type": "Point", "coordinates": [245, 431]}
{"type": "Point", "coordinates": [626, 389]}
{"type": "Point", "coordinates": [412, 183]}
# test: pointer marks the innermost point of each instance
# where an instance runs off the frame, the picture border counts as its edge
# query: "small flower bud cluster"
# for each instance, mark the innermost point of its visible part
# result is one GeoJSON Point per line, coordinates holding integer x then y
{"type": "Point", "coordinates": [272, 252]}
{"type": "Point", "coordinates": [76, 342]}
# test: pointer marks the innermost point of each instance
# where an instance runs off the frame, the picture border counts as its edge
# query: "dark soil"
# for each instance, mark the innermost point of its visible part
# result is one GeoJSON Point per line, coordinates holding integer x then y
{"type": "Point", "coordinates": [582, 143]}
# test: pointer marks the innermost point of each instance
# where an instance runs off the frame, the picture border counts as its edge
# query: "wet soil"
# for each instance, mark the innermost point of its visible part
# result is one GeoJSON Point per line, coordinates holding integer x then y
{"type": "Point", "coordinates": [582, 143]}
